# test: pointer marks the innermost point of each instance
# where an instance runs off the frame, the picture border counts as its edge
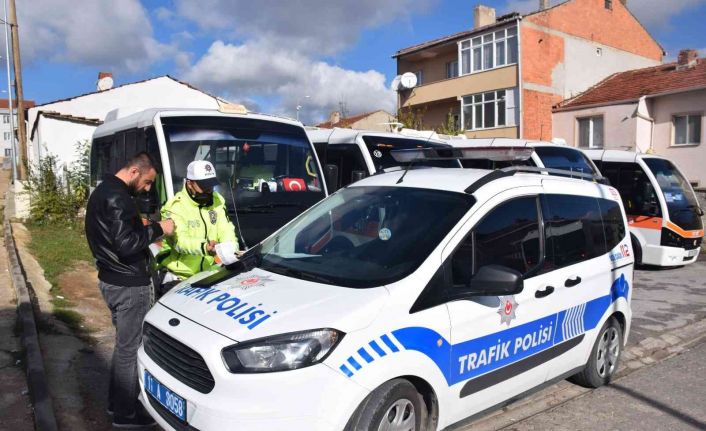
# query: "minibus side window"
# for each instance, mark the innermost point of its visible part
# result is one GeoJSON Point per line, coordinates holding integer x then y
{"type": "Point", "coordinates": [636, 190]}
{"type": "Point", "coordinates": [348, 159]}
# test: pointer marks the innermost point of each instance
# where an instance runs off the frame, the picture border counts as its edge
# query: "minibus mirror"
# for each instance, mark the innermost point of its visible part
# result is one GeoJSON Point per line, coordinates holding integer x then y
{"type": "Point", "coordinates": [357, 176]}
{"type": "Point", "coordinates": [496, 280]}
{"type": "Point", "coordinates": [331, 177]}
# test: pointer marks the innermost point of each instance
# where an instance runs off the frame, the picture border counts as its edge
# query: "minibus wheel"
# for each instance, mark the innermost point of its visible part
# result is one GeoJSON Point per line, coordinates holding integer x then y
{"type": "Point", "coordinates": [636, 249]}
{"type": "Point", "coordinates": [605, 355]}
{"type": "Point", "coordinates": [395, 406]}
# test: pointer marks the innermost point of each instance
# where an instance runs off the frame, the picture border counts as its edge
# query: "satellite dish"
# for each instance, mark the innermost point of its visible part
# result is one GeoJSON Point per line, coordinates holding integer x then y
{"type": "Point", "coordinates": [395, 85]}
{"type": "Point", "coordinates": [408, 80]}
{"type": "Point", "coordinates": [105, 83]}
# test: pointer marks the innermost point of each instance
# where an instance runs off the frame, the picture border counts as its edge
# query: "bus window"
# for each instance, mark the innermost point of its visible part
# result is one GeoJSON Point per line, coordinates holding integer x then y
{"type": "Point", "coordinates": [638, 195]}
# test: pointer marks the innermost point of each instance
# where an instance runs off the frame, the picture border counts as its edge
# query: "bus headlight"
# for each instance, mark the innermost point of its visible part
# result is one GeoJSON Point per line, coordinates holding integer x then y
{"type": "Point", "coordinates": [282, 352]}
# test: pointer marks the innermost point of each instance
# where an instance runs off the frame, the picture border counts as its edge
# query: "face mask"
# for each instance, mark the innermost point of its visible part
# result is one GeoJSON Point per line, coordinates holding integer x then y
{"type": "Point", "coordinates": [202, 199]}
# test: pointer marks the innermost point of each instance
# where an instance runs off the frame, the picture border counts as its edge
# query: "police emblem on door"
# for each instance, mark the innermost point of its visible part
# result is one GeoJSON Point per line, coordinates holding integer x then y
{"type": "Point", "coordinates": [508, 305]}
{"type": "Point", "coordinates": [212, 215]}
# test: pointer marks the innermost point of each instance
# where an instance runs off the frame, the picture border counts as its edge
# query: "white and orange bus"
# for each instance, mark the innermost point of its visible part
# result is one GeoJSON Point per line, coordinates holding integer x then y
{"type": "Point", "coordinates": [663, 212]}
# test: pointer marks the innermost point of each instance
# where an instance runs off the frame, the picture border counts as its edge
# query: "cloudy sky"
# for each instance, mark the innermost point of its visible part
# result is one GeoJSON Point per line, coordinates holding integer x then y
{"type": "Point", "coordinates": [268, 54]}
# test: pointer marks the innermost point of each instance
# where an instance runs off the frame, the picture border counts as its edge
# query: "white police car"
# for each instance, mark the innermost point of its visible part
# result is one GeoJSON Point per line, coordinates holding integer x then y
{"type": "Point", "coordinates": [399, 303]}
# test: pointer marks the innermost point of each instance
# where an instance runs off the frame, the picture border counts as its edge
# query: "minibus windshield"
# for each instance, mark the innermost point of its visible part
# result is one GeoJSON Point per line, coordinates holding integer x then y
{"type": "Point", "coordinates": [380, 147]}
{"type": "Point", "coordinates": [268, 168]}
{"type": "Point", "coordinates": [681, 203]}
{"type": "Point", "coordinates": [364, 237]}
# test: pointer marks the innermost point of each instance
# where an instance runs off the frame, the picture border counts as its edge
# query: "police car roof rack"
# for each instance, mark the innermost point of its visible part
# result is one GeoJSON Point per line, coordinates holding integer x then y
{"type": "Point", "coordinates": [512, 170]}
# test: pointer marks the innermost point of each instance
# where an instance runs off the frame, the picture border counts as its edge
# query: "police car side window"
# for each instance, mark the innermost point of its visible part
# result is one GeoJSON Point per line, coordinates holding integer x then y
{"type": "Point", "coordinates": [613, 223]}
{"type": "Point", "coordinates": [508, 235]}
{"type": "Point", "coordinates": [573, 230]}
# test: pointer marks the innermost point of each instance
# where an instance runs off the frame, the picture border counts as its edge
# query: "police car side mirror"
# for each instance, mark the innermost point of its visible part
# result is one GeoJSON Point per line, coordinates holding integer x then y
{"type": "Point", "coordinates": [496, 280]}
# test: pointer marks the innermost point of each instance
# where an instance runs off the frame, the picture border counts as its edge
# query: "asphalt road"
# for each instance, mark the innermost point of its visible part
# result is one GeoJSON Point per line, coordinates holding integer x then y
{"type": "Point", "coordinates": [665, 299]}
{"type": "Point", "coordinates": [670, 395]}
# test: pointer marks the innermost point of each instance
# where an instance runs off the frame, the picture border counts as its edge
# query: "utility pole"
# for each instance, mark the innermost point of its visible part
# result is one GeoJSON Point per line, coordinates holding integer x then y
{"type": "Point", "coordinates": [21, 130]}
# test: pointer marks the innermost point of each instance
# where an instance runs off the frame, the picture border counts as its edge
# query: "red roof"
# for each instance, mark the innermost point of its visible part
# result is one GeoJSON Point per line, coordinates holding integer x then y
{"type": "Point", "coordinates": [345, 122]}
{"type": "Point", "coordinates": [4, 103]}
{"type": "Point", "coordinates": [631, 85]}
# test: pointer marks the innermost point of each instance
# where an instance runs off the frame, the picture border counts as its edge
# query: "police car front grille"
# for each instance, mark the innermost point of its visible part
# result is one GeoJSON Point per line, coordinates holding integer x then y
{"type": "Point", "coordinates": [182, 362]}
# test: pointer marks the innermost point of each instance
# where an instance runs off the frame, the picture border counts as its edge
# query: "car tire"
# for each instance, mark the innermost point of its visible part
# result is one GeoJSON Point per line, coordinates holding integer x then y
{"type": "Point", "coordinates": [605, 356]}
{"type": "Point", "coordinates": [394, 406]}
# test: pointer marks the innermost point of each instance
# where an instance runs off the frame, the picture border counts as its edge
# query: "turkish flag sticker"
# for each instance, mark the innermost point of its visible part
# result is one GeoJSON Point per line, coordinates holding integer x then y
{"type": "Point", "coordinates": [294, 185]}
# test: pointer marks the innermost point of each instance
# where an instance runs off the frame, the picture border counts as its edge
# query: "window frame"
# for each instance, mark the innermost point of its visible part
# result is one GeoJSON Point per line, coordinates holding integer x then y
{"type": "Point", "coordinates": [451, 71]}
{"type": "Point", "coordinates": [420, 77]}
{"type": "Point", "coordinates": [591, 144]}
{"type": "Point", "coordinates": [687, 115]}
{"type": "Point", "coordinates": [480, 106]}
{"type": "Point", "coordinates": [488, 39]}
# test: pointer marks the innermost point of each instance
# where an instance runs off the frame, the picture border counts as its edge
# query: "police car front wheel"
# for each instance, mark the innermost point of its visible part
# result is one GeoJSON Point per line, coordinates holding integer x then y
{"type": "Point", "coordinates": [394, 406]}
{"type": "Point", "coordinates": [603, 362]}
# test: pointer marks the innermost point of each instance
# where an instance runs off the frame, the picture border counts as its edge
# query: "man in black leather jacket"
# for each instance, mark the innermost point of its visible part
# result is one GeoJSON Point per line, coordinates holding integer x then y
{"type": "Point", "coordinates": [119, 242]}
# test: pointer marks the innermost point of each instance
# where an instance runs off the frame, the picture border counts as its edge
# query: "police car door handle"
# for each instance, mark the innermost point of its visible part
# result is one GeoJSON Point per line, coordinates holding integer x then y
{"type": "Point", "coordinates": [548, 290]}
{"type": "Point", "coordinates": [571, 282]}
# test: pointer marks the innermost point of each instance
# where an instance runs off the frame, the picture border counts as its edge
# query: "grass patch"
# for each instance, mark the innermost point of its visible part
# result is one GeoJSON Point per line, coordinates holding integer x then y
{"type": "Point", "coordinates": [58, 248]}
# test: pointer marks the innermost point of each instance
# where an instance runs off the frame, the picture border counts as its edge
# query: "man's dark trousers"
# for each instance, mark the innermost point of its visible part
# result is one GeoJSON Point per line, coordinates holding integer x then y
{"type": "Point", "coordinates": [128, 306]}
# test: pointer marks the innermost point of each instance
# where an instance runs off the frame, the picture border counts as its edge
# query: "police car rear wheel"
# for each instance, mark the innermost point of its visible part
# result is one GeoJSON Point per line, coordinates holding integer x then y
{"type": "Point", "coordinates": [605, 355]}
{"type": "Point", "coordinates": [394, 406]}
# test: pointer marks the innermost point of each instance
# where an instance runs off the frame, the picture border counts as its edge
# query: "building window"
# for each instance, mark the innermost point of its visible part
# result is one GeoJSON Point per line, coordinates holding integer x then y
{"type": "Point", "coordinates": [6, 136]}
{"type": "Point", "coordinates": [609, 4]}
{"type": "Point", "coordinates": [6, 118]}
{"type": "Point", "coordinates": [484, 110]}
{"type": "Point", "coordinates": [489, 51]}
{"type": "Point", "coordinates": [420, 77]}
{"type": "Point", "coordinates": [591, 132]}
{"type": "Point", "coordinates": [8, 152]}
{"type": "Point", "coordinates": [687, 129]}
{"type": "Point", "coordinates": [452, 69]}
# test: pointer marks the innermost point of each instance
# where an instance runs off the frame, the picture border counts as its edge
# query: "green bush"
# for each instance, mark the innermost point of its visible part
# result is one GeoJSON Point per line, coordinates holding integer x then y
{"type": "Point", "coordinates": [57, 196]}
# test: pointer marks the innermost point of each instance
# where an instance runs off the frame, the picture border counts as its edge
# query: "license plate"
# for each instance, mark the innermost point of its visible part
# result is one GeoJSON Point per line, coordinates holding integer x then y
{"type": "Point", "coordinates": [692, 253]}
{"type": "Point", "coordinates": [171, 401]}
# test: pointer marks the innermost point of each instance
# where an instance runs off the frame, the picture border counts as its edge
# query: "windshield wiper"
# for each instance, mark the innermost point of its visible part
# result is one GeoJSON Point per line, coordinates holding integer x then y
{"type": "Point", "coordinates": [275, 205]}
{"type": "Point", "coordinates": [296, 273]}
{"type": "Point", "coordinates": [249, 260]}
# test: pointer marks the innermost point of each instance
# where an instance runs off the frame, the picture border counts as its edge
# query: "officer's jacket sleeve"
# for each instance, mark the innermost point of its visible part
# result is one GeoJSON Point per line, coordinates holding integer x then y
{"type": "Point", "coordinates": [226, 230]}
{"type": "Point", "coordinates": [183, 241]}
{"type": "Point", "coordinates": [129, 237]}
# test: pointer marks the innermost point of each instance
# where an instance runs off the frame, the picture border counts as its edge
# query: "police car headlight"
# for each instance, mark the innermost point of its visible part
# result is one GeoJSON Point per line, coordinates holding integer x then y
{"type": "Point", "coordinates": [281, 352]}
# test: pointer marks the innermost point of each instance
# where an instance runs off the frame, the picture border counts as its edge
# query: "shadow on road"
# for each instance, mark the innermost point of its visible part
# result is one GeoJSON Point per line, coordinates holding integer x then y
{"type": "Point", "coordinates": [681, 416]}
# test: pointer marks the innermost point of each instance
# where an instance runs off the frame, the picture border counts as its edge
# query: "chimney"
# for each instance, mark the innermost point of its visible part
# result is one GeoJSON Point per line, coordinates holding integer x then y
{"type": "Point", "coordinates": [483, 15]}
{"type": "Point", "coordinates": [687, 58]}
{"type": "Point", "coordinates": [334, 118]}
{"type": "Point", "coordinates": [543, 4]}
{"type": "Point", "coordinates": [105, 81]}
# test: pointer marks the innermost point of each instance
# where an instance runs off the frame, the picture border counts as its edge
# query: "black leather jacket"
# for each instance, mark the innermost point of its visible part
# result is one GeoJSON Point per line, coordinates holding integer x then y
{"type": "Point", "coordinates": [116, 235]}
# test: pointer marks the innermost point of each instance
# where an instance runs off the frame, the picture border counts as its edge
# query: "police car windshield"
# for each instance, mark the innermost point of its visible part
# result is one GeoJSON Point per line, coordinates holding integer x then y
{"type": "Point", "coordinates": [363, 237]}
{"type": "Point", "coordinates": [268, 167]}
{"type": "Point", "coordinates": [681, 202]}
{"type": "Point", "coordinates": [380, 147]}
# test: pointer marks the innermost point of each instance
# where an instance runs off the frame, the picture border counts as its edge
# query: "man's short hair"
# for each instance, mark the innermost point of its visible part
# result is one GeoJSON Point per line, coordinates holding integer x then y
{"type": "Point", "coordinates": [143, 161]}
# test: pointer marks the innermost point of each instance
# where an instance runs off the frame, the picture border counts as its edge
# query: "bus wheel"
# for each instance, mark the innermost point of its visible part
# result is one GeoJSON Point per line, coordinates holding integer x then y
{"type": "Point", "coordinates": [636, 249]}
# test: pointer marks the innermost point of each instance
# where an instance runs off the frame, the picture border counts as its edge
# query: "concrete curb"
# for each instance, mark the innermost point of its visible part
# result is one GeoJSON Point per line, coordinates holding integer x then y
{"type": "Point", "coordinates": [647, 352]}
{"type": "Point", "coordinates": [44, 419]}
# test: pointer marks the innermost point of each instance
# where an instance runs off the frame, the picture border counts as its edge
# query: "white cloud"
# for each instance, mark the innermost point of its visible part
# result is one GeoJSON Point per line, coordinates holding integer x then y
{"type": "Point", "coordinates": [314, 26]}
{"type": "Point", "coordinates": [262, 69]}
{"type": "Point", "coordinates": [99, 33]}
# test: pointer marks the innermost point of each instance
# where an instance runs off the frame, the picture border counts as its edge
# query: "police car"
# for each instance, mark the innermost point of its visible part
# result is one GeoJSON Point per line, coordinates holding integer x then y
{"type": "Point", "coordinates": [406, 301]}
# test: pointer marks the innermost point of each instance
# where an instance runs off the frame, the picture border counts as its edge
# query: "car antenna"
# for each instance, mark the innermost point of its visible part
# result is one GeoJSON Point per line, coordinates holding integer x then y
{"type": "Point", "coordinates": [409, 166]}
{"type": "Point", "coordinates": [235, 212]}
